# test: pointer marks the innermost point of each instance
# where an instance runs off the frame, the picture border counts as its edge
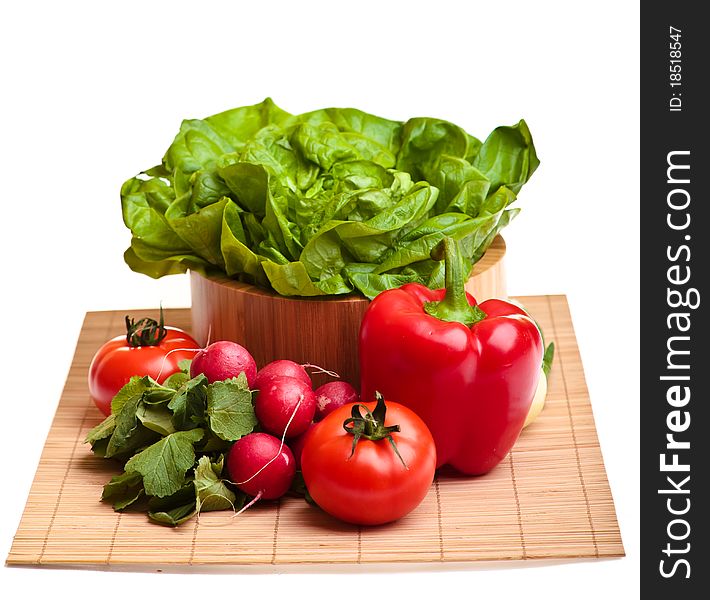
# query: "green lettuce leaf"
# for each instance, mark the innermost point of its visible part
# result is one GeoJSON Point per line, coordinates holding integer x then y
{"type": "Point", "coordinates": [300, 203]}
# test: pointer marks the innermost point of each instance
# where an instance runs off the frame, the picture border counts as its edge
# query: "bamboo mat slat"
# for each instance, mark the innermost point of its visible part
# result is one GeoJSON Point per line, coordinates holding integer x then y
{"type": "Point", "coordinates": [549, 499]}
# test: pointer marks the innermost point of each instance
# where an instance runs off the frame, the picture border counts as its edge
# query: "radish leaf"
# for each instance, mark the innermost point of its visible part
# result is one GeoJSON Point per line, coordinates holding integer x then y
{"type": "Point", "coordinates": [135, 387]}
{"type": "Point", "coordinates": [102, 431]}
{"type": "Point", "coordinates": [123, 490]}
{"type": "Point", "coordinates": [163, 465]}
{"type": "Point", "coordinates": [212, 493]}
{"type": "Point", "coordinates": [129, 434]}
{"type": "Point", "coordinates": [177, 380]}
{"type": "Point", "coordinates": [176, 508]}
{"type": "Point", "coordinates": [229, 408]}
{"type": "Point", "coordinates": [155, 418]}
{"type": "Point", "coordinates": [188, 404]}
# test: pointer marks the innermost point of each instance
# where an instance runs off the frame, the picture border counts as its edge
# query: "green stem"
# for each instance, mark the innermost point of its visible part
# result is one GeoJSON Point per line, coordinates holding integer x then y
{"type": "Point", "coordinates": [146, 332]}
{"type": "Point", "coordinates": [371, 426]}
{"type": "Point", "coordinates": [454, 306]}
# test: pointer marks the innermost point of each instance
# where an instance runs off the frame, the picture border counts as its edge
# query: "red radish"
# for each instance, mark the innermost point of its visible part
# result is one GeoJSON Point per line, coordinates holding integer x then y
{"type": "Point", "coordinates": [261, 466]}
{"type": "Point", "coordinates": [278, 368]}
{"type": "Point", "coordinates": [332, 395]}
{"type": "Point", "coordinates": [285, 404]}
{"type": "Point", "coordinates": [223, 360]}
{"type": "Point", "coordinates": [296, 445]}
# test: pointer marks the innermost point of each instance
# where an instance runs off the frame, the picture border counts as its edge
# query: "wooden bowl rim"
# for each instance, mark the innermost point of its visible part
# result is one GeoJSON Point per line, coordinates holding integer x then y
{"type": "Point", "coordinates": [480, 267]}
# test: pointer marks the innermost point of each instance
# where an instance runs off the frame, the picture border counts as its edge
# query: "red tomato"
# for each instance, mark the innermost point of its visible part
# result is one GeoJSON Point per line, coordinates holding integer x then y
{"type": "Point", "coordinates": [117, 361]}
{"type": "Point", "coordinates": [372, 486]}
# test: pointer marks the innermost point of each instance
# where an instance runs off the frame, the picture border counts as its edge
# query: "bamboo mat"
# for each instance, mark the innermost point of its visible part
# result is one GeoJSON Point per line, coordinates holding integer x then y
{"type": "Point", "coordinates": [550, 498]}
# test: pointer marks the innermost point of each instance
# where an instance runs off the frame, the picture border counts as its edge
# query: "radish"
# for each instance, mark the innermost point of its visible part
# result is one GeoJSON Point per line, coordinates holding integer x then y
{"type": "Point", "coordinates": [332, 395]}
{"type": "Point", "coordinates": [296, 445]}
{"type": "Point", "coordinates": [223, 360]}
{"type": "Point", "coordinates": [285, 406]}
{"type": "Point", "coordinates": [261, 465]}
{"type": "Point", "coordinates": [279, 368]}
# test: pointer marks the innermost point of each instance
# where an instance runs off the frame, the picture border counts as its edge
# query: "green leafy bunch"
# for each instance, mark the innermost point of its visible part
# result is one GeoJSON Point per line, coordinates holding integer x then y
{"type": "Point", "coordinates": [327, 202]}
{"type": "Point", "coordinates": [171, 439]}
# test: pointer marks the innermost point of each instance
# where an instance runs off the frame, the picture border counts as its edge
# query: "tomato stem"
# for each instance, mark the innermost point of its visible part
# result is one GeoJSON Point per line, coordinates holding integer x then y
{"type": "Point", "coordinates": [146, 331]}
{"type": "Point", "coordinates": [371, 426]}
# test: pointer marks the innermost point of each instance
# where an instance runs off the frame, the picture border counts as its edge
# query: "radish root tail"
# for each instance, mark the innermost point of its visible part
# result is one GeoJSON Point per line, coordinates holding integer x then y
{"type": "Point", "coordinates": [317, 370]}
{"type": "Point", "coordinates": [281, 446]}
{"type": "Point", "coordinates": [162, 364]}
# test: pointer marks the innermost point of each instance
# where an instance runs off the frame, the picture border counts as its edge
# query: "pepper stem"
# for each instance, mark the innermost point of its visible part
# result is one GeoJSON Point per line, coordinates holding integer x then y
{"type": "Point", "coordinates": [454, 306]}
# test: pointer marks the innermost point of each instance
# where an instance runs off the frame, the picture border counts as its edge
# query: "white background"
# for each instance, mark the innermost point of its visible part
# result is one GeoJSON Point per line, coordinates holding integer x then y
{"type": "Point", "coordinates": [94, 92]}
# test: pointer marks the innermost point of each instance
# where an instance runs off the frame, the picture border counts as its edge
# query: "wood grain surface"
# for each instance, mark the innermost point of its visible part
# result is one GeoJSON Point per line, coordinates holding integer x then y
{"type": "Point", "coordinates": [549, 499]}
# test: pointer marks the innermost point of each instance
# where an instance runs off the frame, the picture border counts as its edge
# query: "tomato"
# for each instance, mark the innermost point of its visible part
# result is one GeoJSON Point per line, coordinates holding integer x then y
{"type": "Point", "coordinates": [146, 349]}
{"type": "Point", "coordinates": [371, 484]}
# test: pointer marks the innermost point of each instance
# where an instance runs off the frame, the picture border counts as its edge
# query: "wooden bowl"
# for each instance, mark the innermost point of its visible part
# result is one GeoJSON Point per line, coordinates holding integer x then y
{"type": "Point", "coordinates": [319, 331]}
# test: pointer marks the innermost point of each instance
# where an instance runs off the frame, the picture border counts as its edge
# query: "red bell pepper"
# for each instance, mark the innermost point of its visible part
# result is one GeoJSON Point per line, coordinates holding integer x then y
{"type": "Point", "coordinates": [469, 371]}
